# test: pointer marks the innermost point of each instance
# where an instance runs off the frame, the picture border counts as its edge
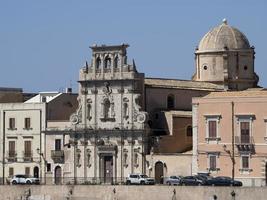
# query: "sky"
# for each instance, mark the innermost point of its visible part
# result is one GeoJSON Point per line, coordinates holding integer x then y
{"type": "Point", "coordinates": [43, 44]}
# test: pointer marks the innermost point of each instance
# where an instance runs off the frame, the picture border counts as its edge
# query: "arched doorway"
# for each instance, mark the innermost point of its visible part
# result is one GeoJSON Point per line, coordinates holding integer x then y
{"type": "Point", "coordinates": [159, 172]}
{"type": "Point", "coordinates": [58, 175]}
{"type": "Point", "coordinates": [36, 172]}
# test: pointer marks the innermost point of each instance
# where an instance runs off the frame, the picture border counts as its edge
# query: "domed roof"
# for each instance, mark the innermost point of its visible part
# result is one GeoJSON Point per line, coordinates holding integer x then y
{"type": "Point", "coordinates": [223, 36]}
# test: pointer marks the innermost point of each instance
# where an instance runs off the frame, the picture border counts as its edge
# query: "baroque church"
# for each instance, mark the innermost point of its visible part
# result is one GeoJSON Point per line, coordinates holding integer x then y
{"type": "Point", "coordinates": [127, 123]}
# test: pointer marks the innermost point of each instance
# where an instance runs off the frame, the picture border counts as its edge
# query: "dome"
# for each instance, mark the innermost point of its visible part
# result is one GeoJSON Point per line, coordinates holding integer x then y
{"type": "Point", "coordinates": [223, 36]}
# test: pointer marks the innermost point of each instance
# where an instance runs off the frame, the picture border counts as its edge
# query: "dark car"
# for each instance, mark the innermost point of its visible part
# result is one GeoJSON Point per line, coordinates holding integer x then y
{"type": "Point", "coordinates": [191, 180]}
{"type": "Point", "coordinates": [223, 181]}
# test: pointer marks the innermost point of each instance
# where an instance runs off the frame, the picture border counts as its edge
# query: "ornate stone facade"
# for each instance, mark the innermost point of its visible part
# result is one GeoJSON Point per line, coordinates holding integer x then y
{"type": "Point", "coordinates": [109, 128]}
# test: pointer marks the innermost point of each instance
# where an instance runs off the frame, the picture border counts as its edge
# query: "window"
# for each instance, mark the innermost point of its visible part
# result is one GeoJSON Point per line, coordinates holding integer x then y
{"type": "Point", "coordinates": [27, 123]}
{"type": "Point", "coordinates": [11, 149]}
{"type": "Point", "coordinates": [170, 101]}
{"type": "Point", "coordinates": [11, 172]}
{"type": "Point", "coordinates": [107, 62]}
{"type": "Point", "coordinates": [98, 63]}
{"type": "Point", "coordinates": [58, 144]}
{"type": "Point", "coordinates": [27, 171]}
{"type": "Point", "coordinates": [136, 160]}
{"type": "Point", "coordinates": [48, 167]}
{"type": "Point", "coordinates": [205, 67]}
{"type": "Point", "coordinates": [245, 162]}
{"type": "Point", "coordinates": [212, 129]}
{"type": "Point", "coordinates": [244, 132]}
{"type": "Point", "coordinates": [245, 67]}
{"type": "Point", "coordinates": [189, 131]}
{"type": "Point", "coordinates": [116, 62]}
{"type": "Point", "coordinates": [12, 123]}
{"type": "Point", "coordinates": [125, 111]}
{"type": "Point", "coordinates": [27, 150]}
{"type": "Point", "coordinates": [212, 161]}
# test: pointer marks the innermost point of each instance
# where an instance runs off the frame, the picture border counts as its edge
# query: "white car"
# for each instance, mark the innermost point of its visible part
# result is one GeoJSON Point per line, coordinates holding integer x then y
{"type": "Point", "coordinates": [24, 179]}
{"type": "Point", "coordinates": [139, 179]}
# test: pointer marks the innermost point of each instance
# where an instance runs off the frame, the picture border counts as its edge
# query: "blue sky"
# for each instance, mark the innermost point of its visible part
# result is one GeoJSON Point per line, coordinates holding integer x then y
{"type": "Point", "coordinates": [43, 44]}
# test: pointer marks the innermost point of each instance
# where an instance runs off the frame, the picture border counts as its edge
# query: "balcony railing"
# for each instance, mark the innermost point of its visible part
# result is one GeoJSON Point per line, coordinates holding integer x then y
{"type": "Point", "coordinates": [245, 143]}
{"type": "Point", "coordinates": [27, 156]}
{"type": "Point", "coordinates": [57, 156]}
{"type": "Point", "coordinates": [12, 156]}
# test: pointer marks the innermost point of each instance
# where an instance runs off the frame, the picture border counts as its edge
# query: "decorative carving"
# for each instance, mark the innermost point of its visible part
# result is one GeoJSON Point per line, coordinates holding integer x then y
{"type": "Point", "coordinates": [107, 90]}
{"type": "Point", "coordinates": [120, 90]}
{"type": "Point", "coordinates": [141, 118]}
{"type": "Point", "coordinates": [74, 119]}
{"type": "Point", "coordinates": [94, 91]}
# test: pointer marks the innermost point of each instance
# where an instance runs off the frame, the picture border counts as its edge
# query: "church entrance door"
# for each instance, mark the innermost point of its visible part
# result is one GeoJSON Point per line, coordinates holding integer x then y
{"type": "Point", "coordinates": [108, 169]}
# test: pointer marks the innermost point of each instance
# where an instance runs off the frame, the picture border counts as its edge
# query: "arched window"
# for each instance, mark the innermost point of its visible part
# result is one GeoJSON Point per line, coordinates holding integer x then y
{"type": "Point", "coordinates": [189, 131]}
{"type": "Point", "coordinates": [107, 62]}
{"type": "Point", "coordinates": [106, 109]}
{"type": "Point", "coordinates": [170, 101]}
{"type": "Point", "coordinates": [116, 62]}
{"type": "Point", "coordinates": [98, 63]}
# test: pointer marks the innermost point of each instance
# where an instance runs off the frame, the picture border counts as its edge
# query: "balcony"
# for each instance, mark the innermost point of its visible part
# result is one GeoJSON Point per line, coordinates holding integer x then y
{"type": "Point", "coordinates": [12, 156]}
{"type": "Point", "coordinates": [244, 143]}
{"type": "Point", "coordinates": [27, 156]}
{"type": "Point", "coordinates": [57, 156]}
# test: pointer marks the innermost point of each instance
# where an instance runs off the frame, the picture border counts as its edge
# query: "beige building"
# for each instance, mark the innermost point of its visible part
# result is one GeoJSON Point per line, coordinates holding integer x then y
{"type": "Point", "coordinates": [230, 127]}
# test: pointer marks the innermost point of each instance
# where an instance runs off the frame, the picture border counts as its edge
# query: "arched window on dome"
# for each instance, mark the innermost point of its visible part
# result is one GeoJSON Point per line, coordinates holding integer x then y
{"type": "Point", "coordinates": [170, 101]}
{"type": "Point", "coordinates": [98, 63]}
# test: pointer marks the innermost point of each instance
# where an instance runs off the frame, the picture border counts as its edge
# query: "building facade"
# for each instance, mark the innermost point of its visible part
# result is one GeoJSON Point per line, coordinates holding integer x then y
{"type": "Point", "coordinates": [229, 131]}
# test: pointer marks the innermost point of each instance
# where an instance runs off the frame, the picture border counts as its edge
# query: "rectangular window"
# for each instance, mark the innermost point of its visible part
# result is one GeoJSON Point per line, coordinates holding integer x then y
{"type": "Point", "coordinates": [27, 123]}
{"type": "Point", "coordinates": [244, 132]}
{"type": "Point", "coordinates": [27, 149]}
{"type": "Point", "coordinates": [245, 162]}
{"type": "Point", "coordinates": [212, 161]}
{"type": "Point", "coordinates": [11, 172]}
{"type": "Point", "coordinates": [11, 149]}
{"type": "Point", "coordinates": [58, 144]}
{"type": "Point", "coordinates": [11, 123]}
{"type": "Point", "coordinates": [27, 171]}
{"type": "Point", "coordinates": [48, 167]}
{"type": "Point", "coordinates": [212, 129]}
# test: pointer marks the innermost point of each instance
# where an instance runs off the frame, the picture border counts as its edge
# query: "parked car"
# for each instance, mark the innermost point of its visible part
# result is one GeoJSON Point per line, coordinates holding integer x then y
{"type": "Point", "coordinates": [173, 180]}
{"type": "Point", "coordinates": [191, 180]}
{"type": "Point", "coordinates": [223, 181]}
{"type": "Point", "coordinates": [24, 179]}
{"type": "Point", "coordinates": [139, 179]}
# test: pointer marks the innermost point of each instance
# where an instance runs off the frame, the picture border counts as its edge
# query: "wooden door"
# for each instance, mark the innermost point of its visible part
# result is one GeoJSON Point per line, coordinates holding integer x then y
{"type": "Point", "coordinates": [108, 169]}
{"type": "Point", "coordinates": [58, 175]}
{"type": "Point", "coordinates": [159, 172]}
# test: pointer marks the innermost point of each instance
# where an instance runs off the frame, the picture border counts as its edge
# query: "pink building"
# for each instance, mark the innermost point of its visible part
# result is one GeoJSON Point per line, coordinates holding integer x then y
{"type": "Point", "coordinates": [230, 135]}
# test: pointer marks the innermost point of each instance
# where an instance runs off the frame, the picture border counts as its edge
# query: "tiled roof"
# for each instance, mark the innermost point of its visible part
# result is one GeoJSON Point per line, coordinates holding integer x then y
{"type": "Point", "coordinates": [253, 92]}
{"type": "Point", "coordinates": [181, 84]}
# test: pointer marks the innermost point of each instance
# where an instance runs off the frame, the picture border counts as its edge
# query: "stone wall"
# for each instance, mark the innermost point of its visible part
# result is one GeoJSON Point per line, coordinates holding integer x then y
{"type": "Point", "coordinates": [130, 193]}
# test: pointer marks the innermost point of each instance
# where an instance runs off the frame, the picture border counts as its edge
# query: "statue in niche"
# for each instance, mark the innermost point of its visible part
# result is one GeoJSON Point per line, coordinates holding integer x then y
{"type": "Point", "coordinates": [125, 110]}
{"type": "Point", "coordinates": [78, 158]}
{"type": "Point", "coordinates": [107, 90]}
{"type": "Point", "coordinates": [107, 110]}
{"type": "Point", "coordinates": [89, 110]}
{"type": "Point", "coordinates": [88, 155]}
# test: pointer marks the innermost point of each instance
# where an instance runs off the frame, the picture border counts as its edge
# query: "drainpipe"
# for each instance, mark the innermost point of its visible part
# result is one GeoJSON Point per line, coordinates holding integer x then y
{"type": "Point", "coordinates": [233, 143]}
{"type": "Point", "coordinates": [4, 130]}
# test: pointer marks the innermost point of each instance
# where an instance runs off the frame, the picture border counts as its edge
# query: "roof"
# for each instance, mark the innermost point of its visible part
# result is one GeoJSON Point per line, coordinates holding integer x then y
{"type": "Point", "coordinates": [179, 113]}
{"type": "Point", "coordinates": [181, 84]}
{"type": "Point", "coordinates": [223, 36]}
{"type": "Point", "coordinates": [255, 92]}
{"type": "Point", "coordinates": [7, 89]}
{"type": "Point", "coordinates": [44, 97]}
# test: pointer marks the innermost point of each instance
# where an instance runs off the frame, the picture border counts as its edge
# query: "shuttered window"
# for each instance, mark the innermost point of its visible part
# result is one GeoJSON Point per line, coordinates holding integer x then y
{"type": "Point", "coordinates": [27, 171]}
{"type": "Point", "coordinates": [245, 162]}
{"type": "Point", "coordinates": [11, 149]}
{"type": "Point", "coordinates": [212, 129]}
{"type": "Point", "coordinates": [244, 130]}
{"type": "Point", "coordinates": [11, 123]}
{"type": "Point", "coordinates": [11, 171]}
{"type": "Point", "coordinates": [27, 123]}
{"type": "Point", "coordinates": [27, 148]}
{"type": "Point", "coordinates": [212, 162]}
